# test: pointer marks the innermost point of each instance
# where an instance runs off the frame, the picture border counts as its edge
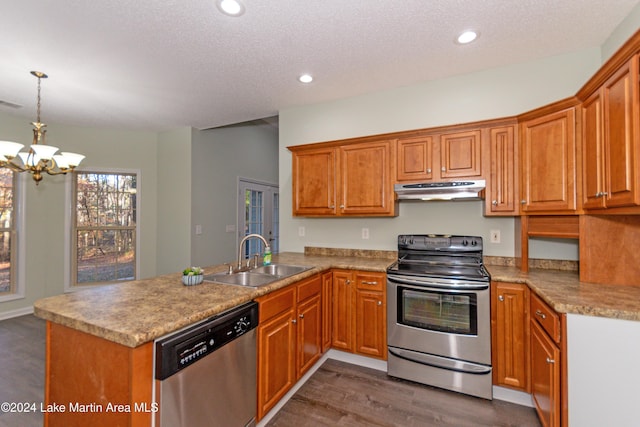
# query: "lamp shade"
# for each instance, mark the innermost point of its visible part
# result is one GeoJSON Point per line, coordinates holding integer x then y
{"type": "Point", "coordinates": [10, 149]}
{"type": "Point", "coordinates": [29, 158]}
{"type": "Point", "coordinates": [61, 161]}
{"type": "Point", "coordinates": [73, 159]}
{"type": "Point", "coordinates": [45, 152]}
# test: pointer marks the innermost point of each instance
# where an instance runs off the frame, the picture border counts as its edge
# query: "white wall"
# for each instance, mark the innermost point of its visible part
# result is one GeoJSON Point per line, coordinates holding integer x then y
{"type": "Point", "coordinates": [495, 93]}
{"type": "Point", "coordinates": [626, 29]}
{"type": "Point", "coordinates": [603, 371]}
{"type": "Point", "coordinates": [45, 204]}
{"type": "Point", "coordinates": [220, 156]}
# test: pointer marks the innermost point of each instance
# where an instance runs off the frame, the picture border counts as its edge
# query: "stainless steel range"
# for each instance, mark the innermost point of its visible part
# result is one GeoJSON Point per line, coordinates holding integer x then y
{"type": "Point", "coordinates": [438, 314]}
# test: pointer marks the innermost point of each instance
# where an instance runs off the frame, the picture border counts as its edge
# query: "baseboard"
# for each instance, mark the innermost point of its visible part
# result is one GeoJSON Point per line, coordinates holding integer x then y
{"type": "Point", "coordinates": [16, 313]}
{"type": "Point", "coordinates": [512, 396]}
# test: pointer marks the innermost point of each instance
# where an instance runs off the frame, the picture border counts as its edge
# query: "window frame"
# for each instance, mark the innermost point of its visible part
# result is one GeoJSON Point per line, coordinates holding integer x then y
{"type": "Point", "coordinates": [18, 251]}
{"type": "Point", "coordinates": [70, 226]}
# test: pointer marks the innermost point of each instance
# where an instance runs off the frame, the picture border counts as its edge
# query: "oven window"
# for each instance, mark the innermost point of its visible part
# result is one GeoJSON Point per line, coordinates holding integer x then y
{"type": "Point", "coordinates": [438, 311]}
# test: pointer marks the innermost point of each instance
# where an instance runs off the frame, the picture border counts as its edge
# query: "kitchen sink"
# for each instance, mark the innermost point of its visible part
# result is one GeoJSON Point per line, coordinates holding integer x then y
{"type": "Point", "coordinates": [258, 276]}
{"type": "Point", "coordinates": [280, 270]}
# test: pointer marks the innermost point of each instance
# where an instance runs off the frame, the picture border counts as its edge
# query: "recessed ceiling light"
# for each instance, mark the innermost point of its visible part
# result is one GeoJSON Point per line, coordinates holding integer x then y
{"type": "Point", "coordinates": [305, 78]}
{"type": "Point", "coordinates": [230, 7]}
{"type": "Point", "coordinates": [467, 37]}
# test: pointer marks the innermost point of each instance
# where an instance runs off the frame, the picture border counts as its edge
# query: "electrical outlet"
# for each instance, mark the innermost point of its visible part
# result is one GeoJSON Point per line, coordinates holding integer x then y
{"type": "Point", "coordinates": [301, 231]}
{"type": "Point", "coordinates": [198, 230]}
{"type": "Point", "coordinates": [365, 233]}
{"type": "Point", "coordinates": [495, 236]}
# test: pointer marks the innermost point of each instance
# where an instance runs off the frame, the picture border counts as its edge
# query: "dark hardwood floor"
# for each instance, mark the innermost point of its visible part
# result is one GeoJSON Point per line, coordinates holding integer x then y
{"type": "Point", "coordinates": [343, 394]}
{"type": "Point", "coordinates": [337, 394]}
{"type": "Point", "coordinates": [22, 341]}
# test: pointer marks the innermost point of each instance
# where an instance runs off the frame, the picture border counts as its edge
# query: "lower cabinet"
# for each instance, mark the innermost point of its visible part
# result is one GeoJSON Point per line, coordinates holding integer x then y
{"type": "Point", "coordinates": [289, 339]}
{"type": "Point", "coordinates": [546, 363]}
{"type": "Point", "coordinates": [510, 330]}
{"type": "Point", "coordinates": [359, 309]}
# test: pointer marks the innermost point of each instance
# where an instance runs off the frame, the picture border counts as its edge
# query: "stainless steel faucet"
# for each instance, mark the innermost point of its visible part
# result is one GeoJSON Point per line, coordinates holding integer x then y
{"type": "Point", "coordinates": [247, 237]}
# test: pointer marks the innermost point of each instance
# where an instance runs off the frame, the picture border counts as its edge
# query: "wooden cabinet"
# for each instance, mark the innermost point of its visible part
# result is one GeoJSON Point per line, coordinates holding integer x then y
{"type": "Point", "coordinates": [546, 363]}
{"type": "Point", "coordinates": [359, 312]}
{"type": "Point", "coordinates": [327, 285]}
{"type": "Point", "coordinates": [354, 179]}
{"type": "Point", "coordinates": [610, 141]}
{"type": "Point", "coordinates": [548, 162]}
{"type": "Point", "coordinates": [444, 156]}
{"type": "Point", "coordinates": [289, 339]}
{"type": "Point", "coordinates": [502, 182]}
{"type": "Point", "coordinates": [510, 335]}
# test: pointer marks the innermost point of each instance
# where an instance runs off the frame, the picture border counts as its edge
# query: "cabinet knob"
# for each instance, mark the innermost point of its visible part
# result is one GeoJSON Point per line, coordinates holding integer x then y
{"type": "Point", "coordinates": [428, 170]}
{"type": "Point", "coordinates": [341, 206]}
{"type": "Point", "coordinates": [301, 316]}
{"type": "Point", "coordinates": [550, 360]}
{"type": "Point", "coordinates": [332, 206]}
{"type": "Point", "coordinates": [348, 282]}
{"type": "Point", "coordinates": [523, 202]}
{"type": "Point", "coordinates": [379, 302]}
{"type": "Point", "coordinates": [294, 321]}
{"type": "Point", "coordinates": [443, 169]}
{"type": "Point", "coordinates": [494, 203]}
{"type": "Point", "coordinates": [500, 297]}
{"type": "Point", "coordinates": [540, 314]}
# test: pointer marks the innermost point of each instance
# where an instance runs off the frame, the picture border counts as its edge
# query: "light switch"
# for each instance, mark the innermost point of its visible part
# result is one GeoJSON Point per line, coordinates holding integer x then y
{"type": "Point", "coordinates": [198, 230]}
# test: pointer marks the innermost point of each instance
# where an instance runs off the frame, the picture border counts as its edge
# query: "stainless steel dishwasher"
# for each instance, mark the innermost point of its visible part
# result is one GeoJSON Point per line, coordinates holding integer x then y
{"type": "Point", "coordinates": [206, 373]}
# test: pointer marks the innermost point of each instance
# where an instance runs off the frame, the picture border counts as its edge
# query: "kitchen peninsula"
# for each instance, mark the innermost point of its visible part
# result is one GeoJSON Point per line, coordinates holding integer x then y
{"type": "Point", "coordinates": [100, 341]}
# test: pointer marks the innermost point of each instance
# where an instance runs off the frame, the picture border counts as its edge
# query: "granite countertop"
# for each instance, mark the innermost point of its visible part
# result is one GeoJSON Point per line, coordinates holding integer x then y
{"type": "Point", "coordinates": [134, 313]}
{"type": "Point", "coordinates": [138, 312]}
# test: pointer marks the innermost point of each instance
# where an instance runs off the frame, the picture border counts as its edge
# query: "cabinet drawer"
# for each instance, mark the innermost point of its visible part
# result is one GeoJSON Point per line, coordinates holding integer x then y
{"type": "Point", "coordinates": [371, 281]}
{"type": "Point", "coordinates": [309, 287]}
{"type": "Point", "coordinates": [276, 302]}
{"type": "Point", "coordinates": [546, 317]}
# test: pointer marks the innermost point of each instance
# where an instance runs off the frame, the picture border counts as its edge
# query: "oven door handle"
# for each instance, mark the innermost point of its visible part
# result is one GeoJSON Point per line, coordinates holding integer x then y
{"type": "Point", "coordinates": [432, 284]}
{"type": "Point", "coordinates": [440, 362]}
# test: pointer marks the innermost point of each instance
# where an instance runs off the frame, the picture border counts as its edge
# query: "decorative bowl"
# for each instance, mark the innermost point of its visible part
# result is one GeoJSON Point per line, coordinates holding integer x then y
{"type": "Point", "coordinates": [195, 279]}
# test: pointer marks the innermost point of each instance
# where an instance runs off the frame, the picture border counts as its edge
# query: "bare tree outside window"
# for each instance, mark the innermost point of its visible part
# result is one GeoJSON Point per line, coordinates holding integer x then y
{"type": "Point", "coordinates": [105, 227]}
{"type": "Point", "coordinates": [6, 231]}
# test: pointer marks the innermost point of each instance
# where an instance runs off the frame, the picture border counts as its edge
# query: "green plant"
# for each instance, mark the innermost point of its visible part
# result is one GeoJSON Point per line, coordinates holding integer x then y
{"type": "Point", "coordinates": [192, 271]}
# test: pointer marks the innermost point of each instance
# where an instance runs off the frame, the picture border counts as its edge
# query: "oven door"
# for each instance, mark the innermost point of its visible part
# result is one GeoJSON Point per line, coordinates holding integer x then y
{"type": "Point", "coordinates": [439, 317]}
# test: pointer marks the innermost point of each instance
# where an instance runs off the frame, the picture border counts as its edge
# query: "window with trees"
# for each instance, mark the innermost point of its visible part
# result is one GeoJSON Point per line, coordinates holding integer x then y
{"type": "Point", "coordinates": [104, 230]}
{"type": "Point", "coordinates": [7, 232]}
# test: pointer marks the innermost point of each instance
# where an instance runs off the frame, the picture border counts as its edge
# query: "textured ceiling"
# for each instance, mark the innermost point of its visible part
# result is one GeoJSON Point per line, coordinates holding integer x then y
{"type": "Point", "coordinates": [156, 65]}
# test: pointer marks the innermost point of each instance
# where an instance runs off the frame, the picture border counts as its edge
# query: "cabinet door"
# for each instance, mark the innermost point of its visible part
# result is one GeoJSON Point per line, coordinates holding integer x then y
{"type": "Point", "coordinates": [276, 360]}
{"type": "Point", "coordinates": [314, 182]}
{"type": "Point", "coordinates": [327, 285]}
{"type": "Point", "coordinates": [592, 153]}
{"type": "Point", "coordinates": [371, 314]}
{"type": "Point", "coordinates": [309, 333]}
{"type": "Point", "coordinates": [366, 185]}
{"type": "Point", "coordinates": [503, 178]}
{"type": "Point", "coordinates": [415, 158]}
{"type": "Point", "coordinates": [342, 311]}
{"type": "Point", "coordinates": [460, 154]}
{"type": "Point", "coordinates": [510, 328]}
{"type": "Point", "coordinates": [549, 163]}
{"type": "Point", "coordinates": [620, 105]}
{"type": "Point", "coordinates": [545, 376]}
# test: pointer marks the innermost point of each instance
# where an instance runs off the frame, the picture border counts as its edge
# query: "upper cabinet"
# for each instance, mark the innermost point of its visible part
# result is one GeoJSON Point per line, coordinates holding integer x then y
{"type": "Point", "coordinates": [439, 156]}
{"type": "Point", "coordinates": [502, 182]}
{"type": "Point", "coordinates": [548, 161]}
{"type": "Point", "coordinates": [349, 179]}
{"type": "Point", "coordinates": [610, 141]}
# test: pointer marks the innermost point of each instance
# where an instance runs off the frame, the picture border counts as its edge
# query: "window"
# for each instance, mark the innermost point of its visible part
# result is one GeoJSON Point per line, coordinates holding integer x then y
{"type": "Point", "coordinates": [258, 213]}
{"type": "Point", "coordinates": [105, 228]}
{"type": "Point", "coordinates": [7, 232]}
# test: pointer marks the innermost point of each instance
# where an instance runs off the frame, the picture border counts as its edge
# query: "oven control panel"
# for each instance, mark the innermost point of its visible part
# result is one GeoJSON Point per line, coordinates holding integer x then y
{"type": "Point", "coordinates": [440, 242]}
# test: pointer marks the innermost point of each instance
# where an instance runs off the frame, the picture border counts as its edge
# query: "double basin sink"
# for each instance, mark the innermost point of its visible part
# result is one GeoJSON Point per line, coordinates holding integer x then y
{"type": "Point", "coordinates": [258, 276]}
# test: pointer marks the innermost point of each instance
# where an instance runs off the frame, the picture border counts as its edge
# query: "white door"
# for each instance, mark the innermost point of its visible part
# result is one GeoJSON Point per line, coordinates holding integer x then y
{"type": "Point", "coordinates": [258, 213]}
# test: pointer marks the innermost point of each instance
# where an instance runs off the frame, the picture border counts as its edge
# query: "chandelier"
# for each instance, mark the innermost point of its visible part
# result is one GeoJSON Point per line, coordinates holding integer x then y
{"type": "Point", "coordinates": [40, 158]}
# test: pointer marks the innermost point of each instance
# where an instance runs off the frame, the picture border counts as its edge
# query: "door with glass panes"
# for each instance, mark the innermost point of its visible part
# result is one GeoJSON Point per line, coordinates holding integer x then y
{"type": "Point", "coordinates": [258, 214]}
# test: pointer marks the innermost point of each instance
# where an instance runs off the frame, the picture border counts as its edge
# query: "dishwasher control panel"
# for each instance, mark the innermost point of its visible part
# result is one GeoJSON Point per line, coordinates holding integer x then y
{"type": "Point", "coordinates": [187, 346]}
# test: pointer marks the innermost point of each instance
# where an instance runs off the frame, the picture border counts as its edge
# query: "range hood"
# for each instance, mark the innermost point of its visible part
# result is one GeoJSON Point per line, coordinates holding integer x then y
{"type": "Point", "coordinates": [454, 190]}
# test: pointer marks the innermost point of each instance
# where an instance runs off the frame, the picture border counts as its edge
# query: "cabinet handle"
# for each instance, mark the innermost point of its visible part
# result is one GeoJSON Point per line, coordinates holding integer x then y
{"type": "Point", "coordinates": [541, 314]}
{"type": "Point", "coordinates": [294, 321]}
{"type": "Point", "coordinates": [428, 170]}
{"type": "Point", "coordinates": [341, 206]}
{"type": "Point", "coordinates": [332, 207]}
{"type": "Point", "coordinates": [494, 203]}
{"type": "Point", "coordinates": [365, 282]}
{"type": "Point", "coordinates": [301, 316]}
{"type": "Point", "coordinates": [347, 282]}
{"type": "Point", "coordinates": [523, 202]}
{"type": "Point", "coordinates": [500, 297]}
{"type": "Point", "coordinates": [550, 361]}
{"type": "Point", "coordinates": [379, 302]}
